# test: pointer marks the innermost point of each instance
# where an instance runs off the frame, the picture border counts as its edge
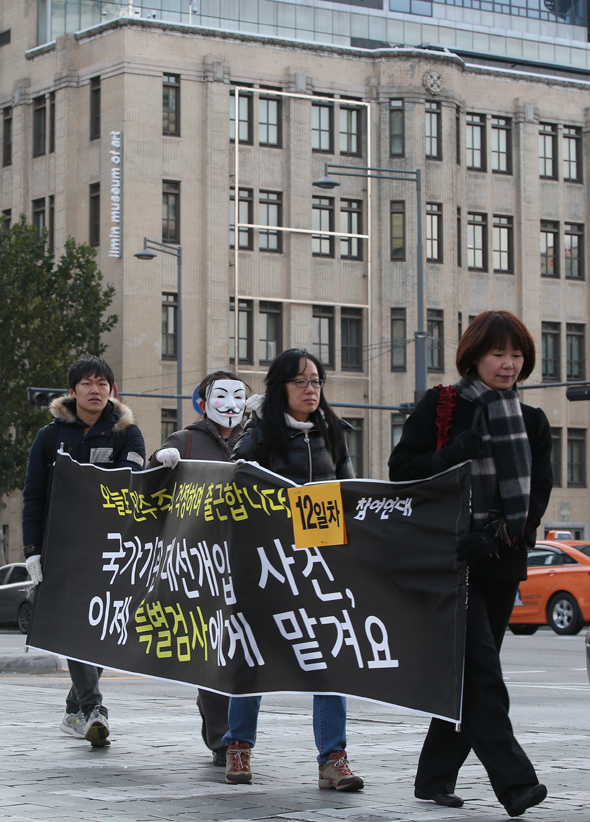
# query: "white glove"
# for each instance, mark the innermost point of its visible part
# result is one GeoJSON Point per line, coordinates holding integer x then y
{"type": "Point", "coordinates": [34, 568]}
{"type": "Point", "coordinates": [168, 457]}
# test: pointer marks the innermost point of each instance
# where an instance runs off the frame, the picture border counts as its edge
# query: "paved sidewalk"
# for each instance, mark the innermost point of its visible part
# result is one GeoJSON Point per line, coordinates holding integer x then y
{"type": "Point", "coordinates": [157, 768]}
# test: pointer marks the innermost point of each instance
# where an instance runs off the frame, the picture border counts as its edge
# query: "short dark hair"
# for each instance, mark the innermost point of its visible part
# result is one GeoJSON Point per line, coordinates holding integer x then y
{"type": "Point", "coordinates": [90, 367]}
{"type": "Point", "coordinates": [493, 329]}
{"type": "Point", "coordinates": [217, 375]}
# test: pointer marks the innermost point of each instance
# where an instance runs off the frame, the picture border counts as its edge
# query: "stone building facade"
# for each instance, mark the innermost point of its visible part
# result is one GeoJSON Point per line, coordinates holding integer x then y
{"type": "Point", "coordinates": [128, 129]}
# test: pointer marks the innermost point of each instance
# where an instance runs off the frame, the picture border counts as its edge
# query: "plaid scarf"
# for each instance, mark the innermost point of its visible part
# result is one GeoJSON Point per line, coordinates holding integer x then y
{"type": "Point", "coordinates": [505, 467]}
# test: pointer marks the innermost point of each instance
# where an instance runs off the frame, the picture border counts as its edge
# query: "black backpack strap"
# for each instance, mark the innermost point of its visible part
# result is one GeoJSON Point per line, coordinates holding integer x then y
{"type": "Point", "coordinates": [50, 438]}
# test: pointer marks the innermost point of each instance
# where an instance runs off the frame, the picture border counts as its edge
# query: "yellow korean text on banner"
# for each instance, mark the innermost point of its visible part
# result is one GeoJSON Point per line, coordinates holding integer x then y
{"type": "Point", "coordinates": [317, 515]}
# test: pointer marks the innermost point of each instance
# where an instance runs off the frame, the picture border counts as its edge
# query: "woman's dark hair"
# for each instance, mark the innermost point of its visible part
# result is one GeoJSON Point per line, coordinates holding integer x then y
{"type": "Point", "coordinates": [285, 367]}
{"type": "Point", "coordinates": [493, 329]}
{"type": "Point", "coordinates": [90, 367]}
{"type": "Point", "coordinates": [217, 375]}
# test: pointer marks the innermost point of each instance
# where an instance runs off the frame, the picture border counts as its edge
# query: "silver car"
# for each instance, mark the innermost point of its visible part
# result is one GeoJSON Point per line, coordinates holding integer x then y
{"type": "Point", "coordinates": [16, 596]}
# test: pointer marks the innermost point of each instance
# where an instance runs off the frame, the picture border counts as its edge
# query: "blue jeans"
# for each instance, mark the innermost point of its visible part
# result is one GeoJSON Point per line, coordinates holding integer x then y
{"type": "Point", "coordinates": [329, 723]}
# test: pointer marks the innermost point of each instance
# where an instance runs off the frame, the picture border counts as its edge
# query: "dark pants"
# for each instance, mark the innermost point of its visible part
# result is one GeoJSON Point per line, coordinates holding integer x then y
{"type": "Point", "coordinates": [213, 709]}
{"type": "Point", "coordinates": [486, 727]}
{"type": "Point", "coordinates": [84, 694]}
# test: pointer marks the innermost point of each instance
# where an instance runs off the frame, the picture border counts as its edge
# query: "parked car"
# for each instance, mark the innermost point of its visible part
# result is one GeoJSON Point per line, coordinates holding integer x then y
{"type": "Point", "coordinates": [588, 654]}
{"type": "Point", "coordinates": [557, 591]}
{"type": "Point", "coordinates": [16, 596]}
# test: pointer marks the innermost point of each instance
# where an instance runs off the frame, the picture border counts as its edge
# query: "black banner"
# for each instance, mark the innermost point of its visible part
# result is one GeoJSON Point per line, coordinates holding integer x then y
{"type": "Point", "coordinates": [191, 575]}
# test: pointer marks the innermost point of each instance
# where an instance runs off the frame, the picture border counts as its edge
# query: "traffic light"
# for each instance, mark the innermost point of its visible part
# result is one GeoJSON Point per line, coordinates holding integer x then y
{"type": "Point", "coordinates": [575, 393]}
{"type": "Point", "coordinates": [41, 397]}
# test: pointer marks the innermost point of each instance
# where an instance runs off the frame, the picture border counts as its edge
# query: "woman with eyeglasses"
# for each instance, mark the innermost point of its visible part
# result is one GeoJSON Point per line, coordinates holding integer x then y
{"type": "Point", "coordinates": [294, 432]}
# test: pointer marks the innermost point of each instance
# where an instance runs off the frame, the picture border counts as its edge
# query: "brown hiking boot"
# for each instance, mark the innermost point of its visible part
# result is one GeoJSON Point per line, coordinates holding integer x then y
{"type": "Point", "coordinates": [337, 774]}
{"type": "Point", "coordinates": [237, 764]}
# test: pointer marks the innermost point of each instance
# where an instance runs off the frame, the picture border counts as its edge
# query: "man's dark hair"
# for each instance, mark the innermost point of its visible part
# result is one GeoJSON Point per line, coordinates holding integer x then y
{"type": "Point", "coordinates": [89, 367]}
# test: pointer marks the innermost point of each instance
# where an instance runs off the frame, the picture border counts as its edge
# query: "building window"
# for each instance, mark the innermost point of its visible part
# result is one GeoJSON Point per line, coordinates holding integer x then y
{"type": "Point", "coordinates": [5, 544]}
{"type": "Point", "coordinates": [435, 340]}
{"type": "Point", "coordinates": [51, 226]}
{"type": "Point", "coordinates": [169, 325]}
{"type": "Point", "coordinates": [94, 215]}
{"type": "Point", "coordinates": [321, 128]}
{"type": "Point", "coordinates": [574, 251]}
{"type": "Point", "coordinates": [322, 219]}
{"type": "Point", "coordinates": [549, 248]}
{"type": "Point", "coordinates": [171, 105]}
{"type": "Point", "coordinates": [475, 141]}
{"type": "Point", "coordinates": [576, 458]}
{"type": "Point", "coordinates": [459, 325]}
{"type": "Point", "coordinates": [269, 213]}
{"type": "Point", "coordinates": [7, 136]}
{"type": "Point", "coordinates": [432, 131]}
{"type": "Point", "coordinates": [6, 218]}
{"type": "Point", "coordinates": [244, 331]}
{"type": "Point", "coordinates": [458, 135]}
{"type": "Point", "coordinates": [434, 250]}
{"type": "Point", "coordinates": [245, 206]}
{"type": "Point", "coordinates": [502, 239]}
{"type": "Point", "coordinates": [170, 212]}
{"type": "Point", "coordinates": [270, 331]}
{"type": "Point", "coordinates": [398, 339]}
{"type": "Point", "coordinates": [572, 154]}
{"type": "Point", "coordinates": [398, 231]}
{"type": "Point", "coordinates": [350, 131]}
{"type": "Point", "coordinates": [459, 239]}
{"type": "Point", "coordinates": [547, 151]}
{"type": "Point", "coordinates": [351, 327]}
{"type": "Point", "coordinates": [168, 423]}
{"type": "Point", "coordinates": [556, 456]}
{"type": "Point", "coordinates": [397, 426]}
{"type": "Point", "coordinates": [39, 215]}
{"type": "Point", "coordinates": [39, 126]}
{"type": "Point", "coordinates": [269, 122]}
{"type": "Point", "coordinates": [354, 443]}
{"type": "Point", "coordinates": [323, 334]}
{"type": "Point", "coordinates": [95, 108]}
{"type": "Point", "coordinates": [575, 346]}
{"type": "Point", "coordinates": [477, 232]}
{"type": "Point", "coordinates": [501, 145]}
{"type": "Point", "coordinates": [244, 117]}
{"type": "Point", "coordinates": [550, 352]}
{"type": "Point", "coordinates": [52, 122]}
{"type": "Point", "coordinates": [351, 222]}
{"type": "Point", "coordinates": [396, 127]}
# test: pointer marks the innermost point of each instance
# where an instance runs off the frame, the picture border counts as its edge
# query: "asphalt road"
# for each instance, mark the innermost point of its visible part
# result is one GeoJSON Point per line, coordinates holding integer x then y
{"type": "Point", "coordinates": [545, 673]}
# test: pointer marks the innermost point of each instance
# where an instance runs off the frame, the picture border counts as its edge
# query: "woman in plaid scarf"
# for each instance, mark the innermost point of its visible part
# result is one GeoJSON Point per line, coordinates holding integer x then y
{"type": "Point", "coordinates": [481, 419]}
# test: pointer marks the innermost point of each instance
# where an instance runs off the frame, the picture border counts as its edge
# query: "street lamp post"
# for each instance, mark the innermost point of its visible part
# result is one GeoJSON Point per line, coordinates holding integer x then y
{"type": "Point", "coordinates": [420, 335]}
{"type": "Point", "coordinates": [148, 252]}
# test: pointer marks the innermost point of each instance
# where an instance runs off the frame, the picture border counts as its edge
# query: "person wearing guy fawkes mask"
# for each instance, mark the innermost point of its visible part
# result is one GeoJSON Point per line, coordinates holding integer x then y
{"type": "Point", "coordinates": [222, 401]}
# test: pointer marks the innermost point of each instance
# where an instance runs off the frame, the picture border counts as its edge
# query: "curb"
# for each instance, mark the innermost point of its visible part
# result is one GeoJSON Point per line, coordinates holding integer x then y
{"type": "Point", "coordinates": [30, 664]}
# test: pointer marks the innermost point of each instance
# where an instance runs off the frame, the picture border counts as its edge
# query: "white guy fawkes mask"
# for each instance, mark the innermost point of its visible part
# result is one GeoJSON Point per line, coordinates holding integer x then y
{"type": "Point", "coordinates": [225, 403]}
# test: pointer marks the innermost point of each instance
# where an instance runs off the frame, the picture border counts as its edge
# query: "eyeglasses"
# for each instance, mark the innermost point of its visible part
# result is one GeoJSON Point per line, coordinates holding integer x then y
{"type": "Point", "coordinates": [302, 383]}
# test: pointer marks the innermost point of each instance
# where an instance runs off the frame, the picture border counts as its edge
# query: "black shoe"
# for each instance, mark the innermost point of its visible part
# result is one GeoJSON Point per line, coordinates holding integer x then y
{"type": "Point", "coordinates": [450, 800]}
{"type": "Point", "coordinates": [219, 756]}
{"type": "Point", "coordinates": [518, 799]}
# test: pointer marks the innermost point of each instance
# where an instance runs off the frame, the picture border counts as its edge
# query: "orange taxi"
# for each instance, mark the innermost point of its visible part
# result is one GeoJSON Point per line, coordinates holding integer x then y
{"type": "Point", "coordinates": [557, 591]}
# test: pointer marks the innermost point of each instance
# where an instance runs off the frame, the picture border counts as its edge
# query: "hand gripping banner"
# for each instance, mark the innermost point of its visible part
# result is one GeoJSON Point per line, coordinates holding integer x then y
{"type": "Point", "coordinates": [192, 575]}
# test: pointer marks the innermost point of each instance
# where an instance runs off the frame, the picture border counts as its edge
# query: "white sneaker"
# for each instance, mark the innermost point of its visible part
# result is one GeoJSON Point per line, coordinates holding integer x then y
{"type": "Point", "coordinates": [97, 729]}
{"type": "Point", "coordinates": [74, 724]}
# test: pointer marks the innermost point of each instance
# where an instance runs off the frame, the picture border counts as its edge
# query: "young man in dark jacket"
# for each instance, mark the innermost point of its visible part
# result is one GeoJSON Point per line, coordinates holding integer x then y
{"type": "Point", "coordinates": [92, 428]}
